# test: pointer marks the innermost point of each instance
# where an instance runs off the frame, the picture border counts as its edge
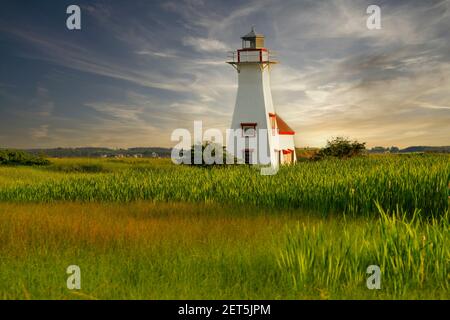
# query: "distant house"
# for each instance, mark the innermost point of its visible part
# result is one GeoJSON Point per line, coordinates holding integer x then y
{"type": "Point", "coordinates": [154, 155]}
{"type": "Point", "coordinates": [137, 155]}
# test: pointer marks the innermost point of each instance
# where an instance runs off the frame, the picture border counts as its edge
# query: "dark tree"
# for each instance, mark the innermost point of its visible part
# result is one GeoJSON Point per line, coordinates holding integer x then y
{"type": "Point", "coordinates": [342, 148]}
{"type": "Point", "coordinates": [18, 157]}
{"type": "Point", "coordinates": [213, 147]}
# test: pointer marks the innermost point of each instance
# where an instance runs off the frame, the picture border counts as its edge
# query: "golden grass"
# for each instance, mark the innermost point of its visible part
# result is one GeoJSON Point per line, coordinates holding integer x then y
{"type": "Point", "coordinates": [138, 223]}
{"type": "Point", "coordinates": [147, 250]}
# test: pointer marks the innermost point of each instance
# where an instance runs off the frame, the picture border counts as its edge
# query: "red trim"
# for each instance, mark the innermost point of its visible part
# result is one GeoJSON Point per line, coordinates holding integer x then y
{"type": "Point", "coordinates": [288, 151]}
{"type": "Point", "coordinates": [253, 49]}
{"type": "Point", "coordinates": [282, 126]}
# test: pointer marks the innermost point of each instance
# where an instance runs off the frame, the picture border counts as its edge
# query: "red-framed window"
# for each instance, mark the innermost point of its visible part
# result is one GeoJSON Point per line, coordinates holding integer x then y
{"type": "Point", "coordinates": [248, 129]}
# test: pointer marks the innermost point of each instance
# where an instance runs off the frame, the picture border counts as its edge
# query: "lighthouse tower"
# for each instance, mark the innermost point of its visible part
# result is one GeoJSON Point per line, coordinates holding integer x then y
{"type": "Point", "coordinates": [254, 112]}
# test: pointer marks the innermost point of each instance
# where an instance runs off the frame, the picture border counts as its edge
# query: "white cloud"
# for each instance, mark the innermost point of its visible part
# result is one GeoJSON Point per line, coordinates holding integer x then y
{"type": "Point", "coordinates": [118, 111]}
{"type": "Point", "coordinates": [40, 132]}
{"type": "Point", "coordinates": [205, 44]}
{"type": "Point", "coordinates": [156, 54]}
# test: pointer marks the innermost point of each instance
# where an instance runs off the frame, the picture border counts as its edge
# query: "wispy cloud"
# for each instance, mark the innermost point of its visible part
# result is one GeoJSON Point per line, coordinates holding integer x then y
{"type": "Point", "coordinates": [205, 44]}
{"type": "Point", "coordinates": [336, 77]}
{"type": "Point", "coordinates": [156, 54]}
{"type": "Point", "coordinates": [80, 58]}
{"type": "Point", "coordinates": [40, 132]}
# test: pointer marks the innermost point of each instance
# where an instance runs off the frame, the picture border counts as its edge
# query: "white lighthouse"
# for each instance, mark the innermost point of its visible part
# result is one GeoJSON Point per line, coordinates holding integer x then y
{"type": "Point", "coordinates": [254, 112]}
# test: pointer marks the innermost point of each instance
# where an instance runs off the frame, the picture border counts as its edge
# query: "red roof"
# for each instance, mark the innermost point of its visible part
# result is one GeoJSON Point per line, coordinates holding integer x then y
{"type": "Point", "coordinates": [283, 127]}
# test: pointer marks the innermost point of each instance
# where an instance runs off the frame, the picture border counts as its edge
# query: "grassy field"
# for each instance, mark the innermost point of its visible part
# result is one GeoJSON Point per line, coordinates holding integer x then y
{"type": "Point", "coordinates": [147, 229]}
{"type": "Point", "coordinates": [343, 186]}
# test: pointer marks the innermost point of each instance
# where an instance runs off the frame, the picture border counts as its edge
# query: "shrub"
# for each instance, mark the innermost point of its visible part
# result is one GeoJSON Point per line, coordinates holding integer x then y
{"type": "Point", "coordinates": [213, 147]}
{"type": "Point", "coordinates": [341, 148]}
{"type": "Point", "coordinates": [17, 157]}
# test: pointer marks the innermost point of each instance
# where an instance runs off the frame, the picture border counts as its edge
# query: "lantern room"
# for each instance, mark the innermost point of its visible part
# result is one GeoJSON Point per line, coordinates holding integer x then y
{"type": "Point", "coordinates": [252, 51]}
{"type": "Point", "coordinates": [252, 40]}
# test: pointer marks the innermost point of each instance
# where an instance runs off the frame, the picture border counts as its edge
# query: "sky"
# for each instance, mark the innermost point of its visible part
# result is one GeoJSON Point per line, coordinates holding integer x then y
{"type": "Point", "coordinates": [137, 70]}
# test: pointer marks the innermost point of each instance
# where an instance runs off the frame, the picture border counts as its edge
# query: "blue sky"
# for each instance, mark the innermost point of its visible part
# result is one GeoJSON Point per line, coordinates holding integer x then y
{"type": "Point", "coordinates": [140, 69]}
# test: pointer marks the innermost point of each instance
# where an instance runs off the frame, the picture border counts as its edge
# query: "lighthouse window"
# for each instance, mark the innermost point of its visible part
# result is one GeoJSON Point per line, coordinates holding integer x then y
{"type": "Point", "coordinates": [248, 129]}
{"type": "Point", "coordinates": [246, 44]}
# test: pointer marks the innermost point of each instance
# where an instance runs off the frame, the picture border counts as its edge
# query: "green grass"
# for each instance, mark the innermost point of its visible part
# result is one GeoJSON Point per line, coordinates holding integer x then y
{"type": "Point", "coordinates": [344, 186]}
{"type": "Point", "coordinates": [413, 254]}
{"type": "Point", "coordinates": [191, 251]}
{"type": "Point", "coordinates": [147, 229]}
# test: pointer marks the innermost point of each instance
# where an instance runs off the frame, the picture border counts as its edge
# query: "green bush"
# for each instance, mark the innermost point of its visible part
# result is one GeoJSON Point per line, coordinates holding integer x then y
{"type": "Point", "coordinates": [17, 157]}
{"type": "Point", "coordinates": [341, 148]}
{"type": "Point", "coordinates": [214, 147]}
